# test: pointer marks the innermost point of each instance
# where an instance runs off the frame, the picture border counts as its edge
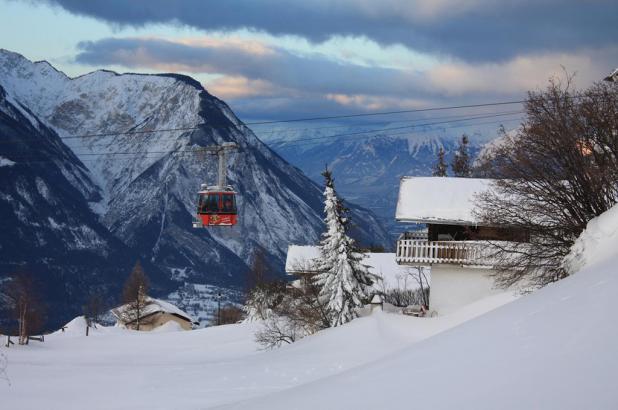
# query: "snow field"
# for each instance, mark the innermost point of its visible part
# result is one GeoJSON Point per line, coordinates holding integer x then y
{"type": "Point", "coordinates": [201, 368]}
{"type": "Point", "coordinates": [552, 349]}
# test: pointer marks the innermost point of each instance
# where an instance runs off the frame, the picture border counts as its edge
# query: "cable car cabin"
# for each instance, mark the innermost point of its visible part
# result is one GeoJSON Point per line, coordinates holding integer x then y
{"type": "Point", "coordinates": [216, 206]}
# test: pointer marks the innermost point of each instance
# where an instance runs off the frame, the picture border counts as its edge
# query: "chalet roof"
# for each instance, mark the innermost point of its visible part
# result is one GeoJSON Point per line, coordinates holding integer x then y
{"type": "Point", "coordinates": [439, 200]}
{"type": "Point", "coordinates": [301, 259]}
{"type": "Point", "coordinates": [156, 306]}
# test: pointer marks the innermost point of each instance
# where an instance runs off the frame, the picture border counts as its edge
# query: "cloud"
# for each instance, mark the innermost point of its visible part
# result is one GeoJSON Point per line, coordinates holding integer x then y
{"type": "Point", "coordinates": [250, 69]}
{"type": "Point", "coordinates": [470, 30]}
{"type": "Point", "coordinates": [521, 73]}
{"type": "Point", "coordinates": [272, 66]}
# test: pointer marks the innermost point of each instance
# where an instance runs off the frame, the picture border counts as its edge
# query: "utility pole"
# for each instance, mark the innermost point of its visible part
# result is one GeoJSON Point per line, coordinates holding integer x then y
{"type": "Point", "coordinates": [219, 308]}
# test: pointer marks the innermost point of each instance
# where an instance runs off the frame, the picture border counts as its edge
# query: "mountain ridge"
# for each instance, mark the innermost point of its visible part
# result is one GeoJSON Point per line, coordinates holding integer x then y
{"type": "Point", "coordinates": [143, 187]}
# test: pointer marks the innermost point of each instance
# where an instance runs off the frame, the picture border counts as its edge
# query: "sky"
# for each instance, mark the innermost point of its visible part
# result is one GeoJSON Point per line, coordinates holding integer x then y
{"type": "Point", "coordinates": [283, 59]}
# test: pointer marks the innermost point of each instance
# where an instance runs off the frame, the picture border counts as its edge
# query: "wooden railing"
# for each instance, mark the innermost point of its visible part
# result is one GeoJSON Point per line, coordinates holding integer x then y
{"type": "Point", "coordinates": [456, 252]}
{"type": "Point", "coordinates": [415, 235]}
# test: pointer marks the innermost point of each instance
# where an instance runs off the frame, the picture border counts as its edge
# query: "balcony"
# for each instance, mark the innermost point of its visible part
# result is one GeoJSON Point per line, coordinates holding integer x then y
{"type": "Point", "coordinates": [410, 251]}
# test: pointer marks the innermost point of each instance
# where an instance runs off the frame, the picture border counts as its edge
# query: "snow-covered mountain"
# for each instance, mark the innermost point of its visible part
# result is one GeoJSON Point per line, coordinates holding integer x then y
{"type": "Point", "coordinates": [141, 187]}
{"type": "Point", "coordinates": [48, 229]}
{"type": "Point", "coordinates": [367, 170]}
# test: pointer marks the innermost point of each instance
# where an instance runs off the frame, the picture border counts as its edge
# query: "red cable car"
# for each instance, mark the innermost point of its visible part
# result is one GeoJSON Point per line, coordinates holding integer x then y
{"type": "Point", "coordinates": [216, 206]}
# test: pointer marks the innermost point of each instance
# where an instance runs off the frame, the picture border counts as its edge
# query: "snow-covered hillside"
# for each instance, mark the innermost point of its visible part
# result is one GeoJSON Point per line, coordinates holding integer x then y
{"type": "Point", "coordinates": [553, 349]}
{"type": "Point", "coordinates": [143, 186]}
{"type": "Point", "coordinates": [47, 227]}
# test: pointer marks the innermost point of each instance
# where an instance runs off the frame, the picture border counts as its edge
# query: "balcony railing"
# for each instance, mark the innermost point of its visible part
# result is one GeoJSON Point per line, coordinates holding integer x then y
{"type": "Point", "coordinates": [455, 252]}
{"type": "Point", "coordinates": [421, 235]}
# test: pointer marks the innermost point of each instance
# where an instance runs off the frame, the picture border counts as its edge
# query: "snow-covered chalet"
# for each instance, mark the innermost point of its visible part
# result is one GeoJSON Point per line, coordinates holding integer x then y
{"type": "Point", "coordinates": [156, 313]}
{"type": "Point", "coordinates": [456, 244]}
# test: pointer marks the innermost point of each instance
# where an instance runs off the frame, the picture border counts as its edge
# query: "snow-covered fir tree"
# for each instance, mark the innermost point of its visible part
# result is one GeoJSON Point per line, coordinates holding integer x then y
{"type": "Point", "coordinates": [343, 279]}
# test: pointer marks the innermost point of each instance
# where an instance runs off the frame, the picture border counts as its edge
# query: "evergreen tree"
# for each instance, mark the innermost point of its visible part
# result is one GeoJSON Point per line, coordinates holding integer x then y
{"type": "Point", "coordinates": [344, 282]}
{"type": "Point", "coordinates": [440, 167]}
{"type": "Point", "coordinates": [461, 162]}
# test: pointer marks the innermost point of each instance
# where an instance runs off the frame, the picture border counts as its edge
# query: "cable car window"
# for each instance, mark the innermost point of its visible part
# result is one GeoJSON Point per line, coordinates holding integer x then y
{"type": "Point", "coordinates": [201, 203]}
{"type": "Point", "coordinates": [211, 203]}
{"type": "Point", "coordinates": [229, 204]}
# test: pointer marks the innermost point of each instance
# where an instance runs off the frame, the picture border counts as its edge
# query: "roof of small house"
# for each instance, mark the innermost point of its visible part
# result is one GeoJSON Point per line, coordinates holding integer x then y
{"type": "Point", "coordinates": [156, 306]}
{"type": "Point", "coordinates": [301, 259]}
{"type": "Point", "coordinates": [439, 200]}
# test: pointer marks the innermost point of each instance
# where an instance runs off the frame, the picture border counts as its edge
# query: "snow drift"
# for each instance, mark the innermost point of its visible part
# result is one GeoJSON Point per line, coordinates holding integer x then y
{"type": "Point", "coordinates": [553, 349]}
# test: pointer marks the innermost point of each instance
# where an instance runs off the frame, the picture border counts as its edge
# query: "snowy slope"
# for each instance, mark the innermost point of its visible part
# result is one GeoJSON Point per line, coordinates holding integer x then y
{"type": "Point", "coordinates": [145, 194]}
{"type": "Point", "coordinates": [198, 369]}
{"type": "Point", "coordinates": [553, 349]}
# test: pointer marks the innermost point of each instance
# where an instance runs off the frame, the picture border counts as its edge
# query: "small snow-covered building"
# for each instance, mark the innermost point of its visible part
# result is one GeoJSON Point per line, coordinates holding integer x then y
{"type": "Point", "coordinates": [456, 246]}
{"type": "Point", "coordinates": [156, 313]}
{"type": "Point", "coordinates": [300, 260]}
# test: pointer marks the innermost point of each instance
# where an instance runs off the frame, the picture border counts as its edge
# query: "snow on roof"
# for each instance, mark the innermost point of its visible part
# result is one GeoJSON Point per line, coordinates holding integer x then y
{"type": "Point", "coordinates": [155, 306]}
{"type": "Point", "coordinates": [301, 259]}
{"type": "Point", "coordinates": [439, 199]}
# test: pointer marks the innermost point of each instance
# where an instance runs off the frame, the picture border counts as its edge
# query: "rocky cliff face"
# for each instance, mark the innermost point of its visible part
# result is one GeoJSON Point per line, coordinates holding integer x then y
{"type": "Point", "coordinates": [139, 189]}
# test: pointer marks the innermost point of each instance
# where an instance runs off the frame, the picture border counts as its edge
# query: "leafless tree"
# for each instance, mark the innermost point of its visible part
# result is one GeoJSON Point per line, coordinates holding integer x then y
{"type": "Point", "coordinates": [28, 309]}
{"type": "Point", "coordinates": [419, 275]}
{"type": "Point", "coordinates": [92, 310]}
{"type": "Point", "coordinates": [135, 297]}
{"type": "Point", "coordinates": [554, 174]}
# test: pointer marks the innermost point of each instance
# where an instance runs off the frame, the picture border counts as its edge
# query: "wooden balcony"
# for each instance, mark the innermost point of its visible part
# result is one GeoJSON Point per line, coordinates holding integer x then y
{"type": "Point", "coordinates": [453, 252]}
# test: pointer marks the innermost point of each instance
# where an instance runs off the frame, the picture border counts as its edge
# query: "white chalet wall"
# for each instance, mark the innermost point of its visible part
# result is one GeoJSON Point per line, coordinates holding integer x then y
{"type": "Point", "coordinates": [453, 286]}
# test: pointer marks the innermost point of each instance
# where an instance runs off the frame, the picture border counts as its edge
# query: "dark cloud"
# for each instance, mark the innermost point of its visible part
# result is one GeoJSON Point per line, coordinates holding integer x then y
{"type": "Point", "coordinates": [482, 30]}
{"type": "Point", "coordinates": [314, 73]}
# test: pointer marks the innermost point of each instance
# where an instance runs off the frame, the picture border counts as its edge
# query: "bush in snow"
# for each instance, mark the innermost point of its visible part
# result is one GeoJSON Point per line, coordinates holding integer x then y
{"type": "Point", "coordinates": [553, 175]}
{"type": "Point", "coordinates": [227, 315]}
{"type": "Point", "coordinates": [263, 293]}
{"type": "Point", "coordinates": [343, 280]}
{"type": "Point", "coordinates": [300, 312]}
{"type": "Point", "coordinates": [402, 296]}
{"type": "Point", "coordinates": [262, 300]}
